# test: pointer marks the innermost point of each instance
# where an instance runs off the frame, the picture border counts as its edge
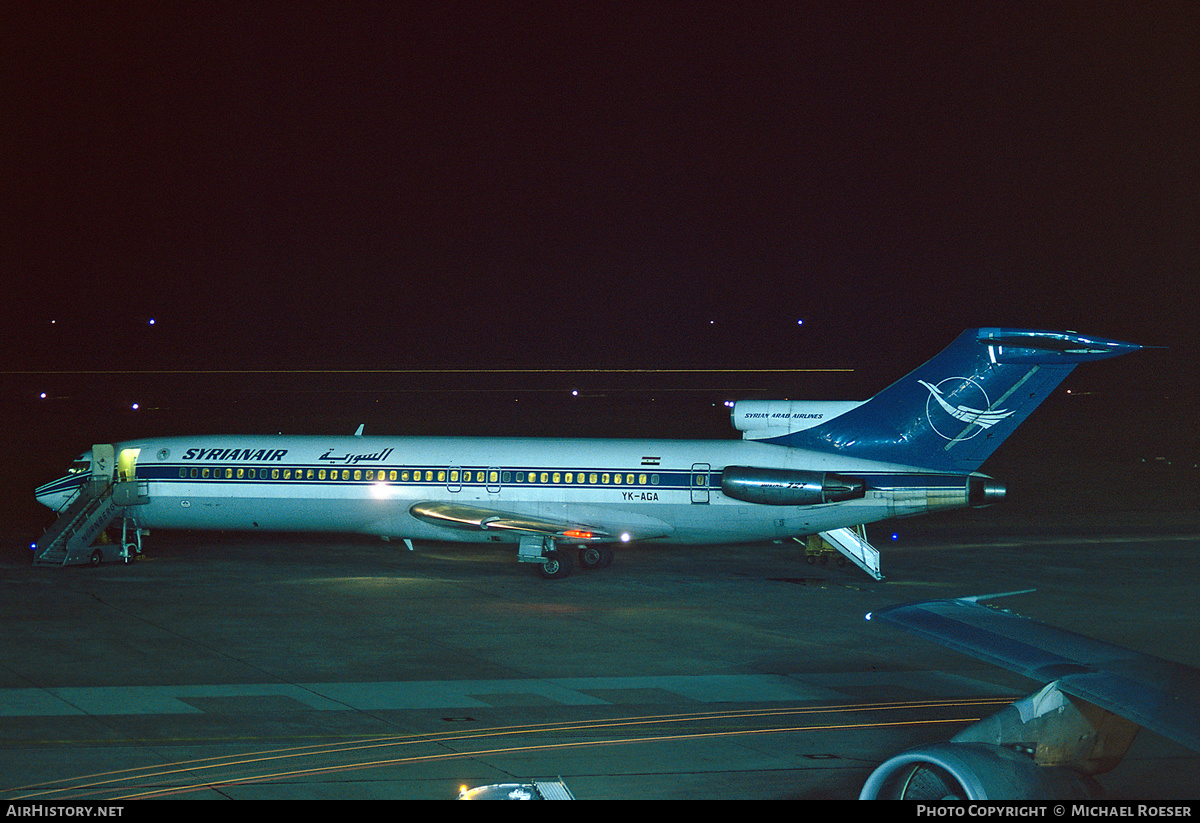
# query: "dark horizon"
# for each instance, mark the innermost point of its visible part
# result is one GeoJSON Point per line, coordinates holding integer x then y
{"type": "Point", "coordinates": [604, 186]}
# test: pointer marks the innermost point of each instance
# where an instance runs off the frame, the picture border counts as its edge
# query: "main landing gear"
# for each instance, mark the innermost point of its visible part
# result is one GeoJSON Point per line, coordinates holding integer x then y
{"type": "Point", "coordinates": [595, 556]}
{"type": "Point", "coordinates": [555, 563]}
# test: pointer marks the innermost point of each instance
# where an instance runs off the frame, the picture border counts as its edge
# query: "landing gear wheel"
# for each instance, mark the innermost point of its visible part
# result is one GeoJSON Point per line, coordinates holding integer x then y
{"type": "Point", "coordinates": [595, 557]}
{"type": "Point", "coordinates": [96, 558]}
{"type": "Point", "coordinates": [555, 565]}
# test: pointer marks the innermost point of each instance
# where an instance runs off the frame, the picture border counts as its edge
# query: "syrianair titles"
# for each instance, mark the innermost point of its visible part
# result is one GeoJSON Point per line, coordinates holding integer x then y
{"type": "Point", "coordinates": [224, 454]}
{"type": "Point", "coordinates": [802, 468]}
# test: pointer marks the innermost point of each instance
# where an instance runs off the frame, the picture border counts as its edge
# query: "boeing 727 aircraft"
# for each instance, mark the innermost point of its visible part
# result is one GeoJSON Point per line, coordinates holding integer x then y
{"type": "Point", "coordinates": [801, 469]}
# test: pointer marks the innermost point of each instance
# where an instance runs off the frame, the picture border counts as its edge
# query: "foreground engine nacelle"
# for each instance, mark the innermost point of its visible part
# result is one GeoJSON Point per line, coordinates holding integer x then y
{"type": "Point", "coordinates": [973, 771]}
{"type": "Point", "coordinates": [1042, 747]}
{"type": "Point", "coordinates": [788, 487]}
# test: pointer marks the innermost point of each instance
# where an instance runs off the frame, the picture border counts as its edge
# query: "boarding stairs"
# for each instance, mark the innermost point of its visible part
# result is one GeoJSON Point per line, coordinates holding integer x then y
{"type": "Point", "coordinates": [69, 541]}
{"type": "Point", "coordinates": [852, 543]}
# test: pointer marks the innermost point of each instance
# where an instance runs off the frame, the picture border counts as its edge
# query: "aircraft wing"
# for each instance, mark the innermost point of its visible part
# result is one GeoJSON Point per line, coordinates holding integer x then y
{"type": "Point", "coordinates": [477, 518]}
{"type": "Point", "coordinates": [1156, 694]}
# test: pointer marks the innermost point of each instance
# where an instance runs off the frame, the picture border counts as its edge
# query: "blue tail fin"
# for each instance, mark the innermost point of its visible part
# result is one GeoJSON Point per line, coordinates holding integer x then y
{"type": "Point", "coordinates": [954, 411]}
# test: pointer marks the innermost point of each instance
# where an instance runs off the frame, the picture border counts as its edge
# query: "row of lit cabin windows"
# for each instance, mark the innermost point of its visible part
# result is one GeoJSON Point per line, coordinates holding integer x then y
{"type": "Point", "coordinates": [489, 477]}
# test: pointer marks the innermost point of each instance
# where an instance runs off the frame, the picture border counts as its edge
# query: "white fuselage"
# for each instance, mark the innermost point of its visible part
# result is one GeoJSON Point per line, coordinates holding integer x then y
{"type": "Point", "coordinates": [666, 490]}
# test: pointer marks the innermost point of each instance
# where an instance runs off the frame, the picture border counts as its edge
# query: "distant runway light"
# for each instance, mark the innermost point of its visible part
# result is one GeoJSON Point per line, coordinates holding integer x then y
{"type": "Point", "coordinates": [800, 322]}
{"type": "Point", "coordinates": [574, 392]}
{"type": "Point", "coordinates": [151, 321]}
{"type": "Point", "coordinates": [135, 407]}
{"type": "Point", "coordinates": [625, 537]}
{"type": "Point", "coordinates": [895, 536]}
{"type": "Point", "coordinates": [42, 395]}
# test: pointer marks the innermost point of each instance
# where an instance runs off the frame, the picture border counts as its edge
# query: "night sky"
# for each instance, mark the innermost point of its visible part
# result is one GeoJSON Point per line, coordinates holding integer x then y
{"type": "Point", "coordinates": [593, 184]}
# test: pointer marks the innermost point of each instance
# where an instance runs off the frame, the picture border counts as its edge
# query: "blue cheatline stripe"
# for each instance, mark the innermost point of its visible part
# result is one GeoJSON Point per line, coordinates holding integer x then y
{"type": "Point", "coordinates": [667, 478]}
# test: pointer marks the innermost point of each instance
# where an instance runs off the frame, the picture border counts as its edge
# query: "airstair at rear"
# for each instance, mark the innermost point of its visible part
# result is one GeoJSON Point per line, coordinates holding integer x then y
{"type": "Point", "coordinates": [71, 539]}
{"type": "Point", "coordinates": [852, 543]}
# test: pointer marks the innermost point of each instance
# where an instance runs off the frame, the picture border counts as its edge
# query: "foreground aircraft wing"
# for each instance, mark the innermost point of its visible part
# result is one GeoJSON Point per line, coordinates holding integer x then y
{"type": "Point", "coordinates": [477, 518]}
{"type": "Point", "coordinates": [1154, 693]}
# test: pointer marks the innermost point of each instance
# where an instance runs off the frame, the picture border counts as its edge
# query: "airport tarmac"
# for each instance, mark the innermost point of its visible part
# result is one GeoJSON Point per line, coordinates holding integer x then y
{"type": "Point", "coordinates": [313, 667]}
{"type": "Point", "coordinates": [234, 666]}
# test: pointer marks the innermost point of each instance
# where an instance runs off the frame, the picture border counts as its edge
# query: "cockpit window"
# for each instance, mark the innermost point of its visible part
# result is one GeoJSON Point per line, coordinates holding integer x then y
{"type": "Point", "coordinates": [80, 467]}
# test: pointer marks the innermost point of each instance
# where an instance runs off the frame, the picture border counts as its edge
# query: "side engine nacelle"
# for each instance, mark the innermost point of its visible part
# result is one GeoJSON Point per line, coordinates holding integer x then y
{"type": "Point", "coordinates": [788, 487]}
{"type": "Point", "coordinates": [973, 771]}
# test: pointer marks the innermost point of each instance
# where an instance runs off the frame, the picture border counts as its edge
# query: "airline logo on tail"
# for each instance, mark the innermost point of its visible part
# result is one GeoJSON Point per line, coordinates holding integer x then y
{"type": "Point", "coordinates": [984, 417]}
